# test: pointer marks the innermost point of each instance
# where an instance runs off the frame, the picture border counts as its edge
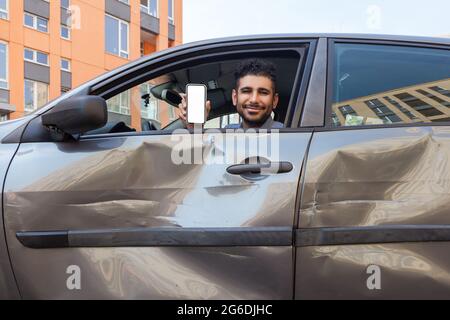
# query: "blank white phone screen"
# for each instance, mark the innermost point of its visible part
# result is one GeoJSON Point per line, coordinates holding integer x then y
{"type": "Point", "coordinates": [196, 103]}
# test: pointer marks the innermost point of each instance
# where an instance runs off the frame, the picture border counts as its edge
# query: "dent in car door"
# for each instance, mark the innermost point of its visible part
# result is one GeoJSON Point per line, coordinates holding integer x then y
{"type": "Point", "coordinates": [374, 217]}
{"type": "Point", "coordinates": [119, 214]}
{"type": "Point", "coordinates": [100, 201]}
{"type": "Point", "coordinates": [375, 201]}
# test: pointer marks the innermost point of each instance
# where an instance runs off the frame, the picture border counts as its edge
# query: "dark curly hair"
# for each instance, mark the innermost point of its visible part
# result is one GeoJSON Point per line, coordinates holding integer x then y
{"type": "Point", "coordinates": [256, 67]}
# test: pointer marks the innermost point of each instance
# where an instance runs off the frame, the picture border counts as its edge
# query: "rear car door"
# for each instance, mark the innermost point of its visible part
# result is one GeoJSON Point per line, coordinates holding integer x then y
{"type": "Point", "coordinates": [113, 216]}
{"type": "Point", "coordinates": [374, 219]}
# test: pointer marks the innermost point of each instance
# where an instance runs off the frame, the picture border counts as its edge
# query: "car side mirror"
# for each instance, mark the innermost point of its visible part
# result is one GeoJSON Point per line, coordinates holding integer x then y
{"type": "Point", "coordinates": [77, 115]}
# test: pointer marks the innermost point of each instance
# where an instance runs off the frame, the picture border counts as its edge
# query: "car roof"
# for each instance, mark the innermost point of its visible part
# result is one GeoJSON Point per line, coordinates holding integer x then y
{"type": "Point", "coordinates": [356, 36]}
{"type": "Point", "coordinates": [290, 36]}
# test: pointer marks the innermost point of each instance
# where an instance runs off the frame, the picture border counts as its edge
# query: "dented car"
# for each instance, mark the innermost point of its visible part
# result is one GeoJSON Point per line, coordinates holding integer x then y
{"type": "Point", "coordinates": [94, 207]}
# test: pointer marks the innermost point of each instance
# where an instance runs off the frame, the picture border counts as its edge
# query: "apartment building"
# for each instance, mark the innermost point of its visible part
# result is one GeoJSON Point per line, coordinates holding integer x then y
{"type": "Point", "coordinates": [426, 102]}
{"type": "Point", "coordinates": [48, 47]}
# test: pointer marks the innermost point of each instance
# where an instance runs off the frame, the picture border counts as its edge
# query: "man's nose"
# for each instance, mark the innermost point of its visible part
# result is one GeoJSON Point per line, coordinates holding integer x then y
{"type": "Point", "coordinates": [254, 97]}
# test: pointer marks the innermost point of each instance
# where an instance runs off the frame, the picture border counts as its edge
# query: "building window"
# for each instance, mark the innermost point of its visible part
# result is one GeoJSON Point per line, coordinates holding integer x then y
{"type": "Point", "coordinates": [65, 4]}
{"type": "Point", "coordinates": [64, 90]}
{"type": "Point", "coordinates": [65, 65]}
{"type": "Point", "coordinates": [382, 111]}
{"type": "Point", "coordinates": [4, 118]}
{"type": "Point", "coordinates": [408, 113]}
{"type": "Point", "coordinates": [335, 120]}
{"type": "Point", "coordinates": [3, 66]}
{"type": "Point", "coordinates": [36, 56]}
{"type": "Point", "coordinates": [120, 103]}
{"type": "Point", "coordinates": [433, 97]}
{"type": "Point", "coordinates": [150, 7]}
{"type": "Point", "coordinates": [441, 90]}
{"type": "Point", "coordinates": [36, 95]}
{"type": "Point", "coordinates": [65, 32]}
{"type": "Point", "coordinates": [116, 36]}
{"type": "Point", "coordinates": [171, 12]}
{"type": "Point", "coordinates": [4, 9]}
{"type": "Point", "coordinates": [418, 105]}
{"type": "Point", "coordinates": [35, 22]}
{"type": "Point", "coordinates": [125, 1]}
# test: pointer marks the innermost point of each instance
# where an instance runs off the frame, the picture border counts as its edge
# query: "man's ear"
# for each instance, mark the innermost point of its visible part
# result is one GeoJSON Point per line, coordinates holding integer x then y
{"type": "Point", "coordinates": [234, 97]}
{"type": "Point", "coordinates": [276, 98]}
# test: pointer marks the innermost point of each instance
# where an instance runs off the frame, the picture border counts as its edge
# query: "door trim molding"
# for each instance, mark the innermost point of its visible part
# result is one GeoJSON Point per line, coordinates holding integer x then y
{"type": "Point", "coordinates": [371, 235]}
{"type": "Point", "coordinates": [159, 237]}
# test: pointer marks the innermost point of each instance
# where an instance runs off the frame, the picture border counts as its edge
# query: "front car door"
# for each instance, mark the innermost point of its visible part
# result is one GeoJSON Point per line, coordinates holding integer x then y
{"type": "Point", "coordinates": [113, 216]}
{"type": "Point", "coordinates": [374, 219]}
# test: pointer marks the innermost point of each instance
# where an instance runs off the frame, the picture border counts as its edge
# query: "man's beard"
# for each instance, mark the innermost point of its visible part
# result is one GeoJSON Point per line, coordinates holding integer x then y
{"type": "Point", "coordinates": [253, 123]}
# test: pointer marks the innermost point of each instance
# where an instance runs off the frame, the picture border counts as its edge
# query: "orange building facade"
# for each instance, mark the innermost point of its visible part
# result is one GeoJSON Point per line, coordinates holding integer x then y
{"type": "Point", "coordinates": [49, 47]}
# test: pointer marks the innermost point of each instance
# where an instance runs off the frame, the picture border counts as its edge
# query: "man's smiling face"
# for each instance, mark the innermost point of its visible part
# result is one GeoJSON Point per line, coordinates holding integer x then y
{"type": "Point", "coordinates": [255, 99]}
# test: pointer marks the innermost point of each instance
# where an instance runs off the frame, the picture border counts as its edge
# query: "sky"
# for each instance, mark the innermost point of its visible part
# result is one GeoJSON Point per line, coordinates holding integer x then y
{"type": "Point", "coordinates": [207, 19]}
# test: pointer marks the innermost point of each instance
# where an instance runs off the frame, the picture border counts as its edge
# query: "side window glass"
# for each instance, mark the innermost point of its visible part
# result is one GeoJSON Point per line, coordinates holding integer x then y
{"type": "Point", "coordinates": [153, 104]}
{"type": "Point", "coordinates": [137, 109]}
{"type": "Point", "coordinates": [223, 121]}
{"type": "Point", "coordinates": [380, 84]}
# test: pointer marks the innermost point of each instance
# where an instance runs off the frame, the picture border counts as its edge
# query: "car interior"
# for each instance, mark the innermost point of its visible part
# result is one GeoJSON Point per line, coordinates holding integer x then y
{"type": "Point", "coordinates": [219, 80]}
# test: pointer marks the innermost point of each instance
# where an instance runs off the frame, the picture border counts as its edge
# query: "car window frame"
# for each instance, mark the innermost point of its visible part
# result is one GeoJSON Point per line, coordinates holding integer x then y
{"type": "Point", "coordinates": [330, 82]}
{"type": "Point", "coordinates": [113, 86]}
{"type": "Point", "coordinates": [136, 72]}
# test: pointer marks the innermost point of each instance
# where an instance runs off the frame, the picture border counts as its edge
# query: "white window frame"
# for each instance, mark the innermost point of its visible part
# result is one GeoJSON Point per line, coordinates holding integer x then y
{"type": "Point", "coordinates": [146, 9]}
{"type": "Point", "coordinates": [4, 118]}
{"type": "Point", "coordinates": [172, 19]}
{"type": "Point", "coordinates": [35, 22]}
{"type": "Point", "coordinates": [68, 29]}
{"type": "Point", "coordinates": [125, 1]}
{"type": "Point", "coordinates": [7, 66]}
{"type": "Point", "coordinates": [5, 11]}
{"type": "Point", "coordinates": [35, 57]}
{"type": "Point", "coordinates": [120, 38]}
{"type": "Point", "coordinates": [69, 64]}
{"type": "Point", "coordinates": [123, 109]}
{"type": "Point", "coordinates": [35, 94]}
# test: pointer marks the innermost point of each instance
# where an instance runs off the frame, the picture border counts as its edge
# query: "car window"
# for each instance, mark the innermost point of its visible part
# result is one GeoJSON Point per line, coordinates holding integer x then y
{"type": "Point", "coordinates": [384, 84]}
{"type": "Point", "coordinates": [223, 121]}
{"type": "Point", "coordinates": [149, 105]}
{"type": "Point", "coordinates": [138, 109]}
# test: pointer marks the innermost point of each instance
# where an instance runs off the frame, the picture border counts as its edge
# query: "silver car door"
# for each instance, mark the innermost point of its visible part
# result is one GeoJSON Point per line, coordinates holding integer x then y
{"type": "Point", "coordinates": [373, 221]}
{"type": "Point", "coordinates": [132, 224]}
{"type": "Point", "coordinates": [113, 216]}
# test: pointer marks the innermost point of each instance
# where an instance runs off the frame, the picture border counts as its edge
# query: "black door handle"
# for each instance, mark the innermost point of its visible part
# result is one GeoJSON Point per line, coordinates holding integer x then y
{"type": "Point", "coordinates": [258, 168]}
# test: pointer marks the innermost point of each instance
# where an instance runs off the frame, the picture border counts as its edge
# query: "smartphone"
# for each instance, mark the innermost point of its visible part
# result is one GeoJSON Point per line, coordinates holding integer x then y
{"type": "Point", "coordinates": [196, 103]}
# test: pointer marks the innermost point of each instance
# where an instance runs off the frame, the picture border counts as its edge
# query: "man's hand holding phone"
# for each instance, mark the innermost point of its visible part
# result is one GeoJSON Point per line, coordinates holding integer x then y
{"type": "Point", "coordinates": [183, 111]}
